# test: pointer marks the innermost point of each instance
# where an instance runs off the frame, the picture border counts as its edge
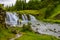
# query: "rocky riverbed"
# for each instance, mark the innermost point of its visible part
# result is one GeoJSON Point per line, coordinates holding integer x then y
{"type": "Point", "coordinates": [46, 28]}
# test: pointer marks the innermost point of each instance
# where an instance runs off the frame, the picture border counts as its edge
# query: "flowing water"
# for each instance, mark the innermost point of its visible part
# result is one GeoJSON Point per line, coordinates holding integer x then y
{"type": "Point", "coordinates": [41, 27]}
{"type": "Point", "coordinates": [25, 19]}
{"type": "Point", "coordinates": [12, 19]}
{"type": "Point", "coordinates": [37, 26]}
{"type": "Point", "coordinates": [45, 28]}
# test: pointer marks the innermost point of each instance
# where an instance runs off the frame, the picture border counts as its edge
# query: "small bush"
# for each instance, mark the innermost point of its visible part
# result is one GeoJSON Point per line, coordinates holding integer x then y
{"type": "Point", "coordinates": [26, 27]}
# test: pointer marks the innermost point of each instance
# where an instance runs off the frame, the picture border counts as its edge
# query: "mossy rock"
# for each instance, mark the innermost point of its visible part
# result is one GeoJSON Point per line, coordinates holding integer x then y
{"type": "Point", "coordinates": [2, 17]}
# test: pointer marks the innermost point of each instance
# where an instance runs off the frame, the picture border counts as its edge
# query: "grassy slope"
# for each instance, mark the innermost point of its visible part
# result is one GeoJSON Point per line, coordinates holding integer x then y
{"type": "Point", "coordinates": [55, 12]}
{"type": "Point", "coordinates": [6, 34]}
{"type": "Point", "coordinates": [29, 11]}
{"type": "Point", "coordinates": [34, 36]}
{"type": "Point", "coordinates": [41, 14]}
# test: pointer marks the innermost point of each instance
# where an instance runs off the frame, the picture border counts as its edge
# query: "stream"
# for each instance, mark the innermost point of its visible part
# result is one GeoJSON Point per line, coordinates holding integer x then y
{"type": "Point", "coordinates": [45, 28]}
{"type": "Point", "coordinates": [41, 27]}
{"type": "Point", "coordinates": [12, 19]}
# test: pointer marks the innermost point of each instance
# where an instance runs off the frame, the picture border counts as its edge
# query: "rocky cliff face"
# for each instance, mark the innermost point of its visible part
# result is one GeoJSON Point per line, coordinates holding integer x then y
{"type": "Point", "coordinates": [2, 16]}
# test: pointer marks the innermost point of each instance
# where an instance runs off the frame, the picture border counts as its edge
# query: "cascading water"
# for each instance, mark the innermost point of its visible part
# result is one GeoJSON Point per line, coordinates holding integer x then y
{"type": "Point", "coordinates": [45, 28]}
{"type": "Point", "coordinates": [37, 26]}
{"type": "Point", "coordinates": [11, 19]}
{"type": "Point", "coordinates": [32, 18]}
{"type": "Point", "coordinates": [25, 19]}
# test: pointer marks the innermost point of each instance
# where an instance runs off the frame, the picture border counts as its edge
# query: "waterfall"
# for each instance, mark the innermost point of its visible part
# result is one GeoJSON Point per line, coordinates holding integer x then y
{"type": "Point", "coordinates": [38, 26]}
{"type": "Point", "coordinates": [32, 18]}
{"type": "Point", "coordinates": [25, 19]}
{"type": "Point", "coordinates": [46, 28]}
{"type": "Point", "coordinates": [11, 19]}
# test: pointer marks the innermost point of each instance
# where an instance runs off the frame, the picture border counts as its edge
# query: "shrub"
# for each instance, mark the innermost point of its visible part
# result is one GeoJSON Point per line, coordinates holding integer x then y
{"type": "Point", "coordinates": [26, 27]}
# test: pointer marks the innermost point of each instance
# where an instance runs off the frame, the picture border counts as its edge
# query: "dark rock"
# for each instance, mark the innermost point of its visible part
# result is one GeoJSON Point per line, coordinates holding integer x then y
{"type": "Point", "coordinates": [54, 29]}
{"type": "Point", "coordinates": [14, 31]}
{"type": "Point", "coordinates": [58, 31]}
{"type": "Point", "coordinates": [38, 24]}
{"type": "Point", "coordinates": [59, 36]}
{"type": "Point", "coordinates": [34, 26]}
{"type": "Point", "coordinates": [2, 16]}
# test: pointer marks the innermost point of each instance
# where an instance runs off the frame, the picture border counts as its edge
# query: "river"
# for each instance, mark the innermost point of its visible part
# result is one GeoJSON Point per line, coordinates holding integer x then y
{"type": "Point", "coordinates": [36, 25]}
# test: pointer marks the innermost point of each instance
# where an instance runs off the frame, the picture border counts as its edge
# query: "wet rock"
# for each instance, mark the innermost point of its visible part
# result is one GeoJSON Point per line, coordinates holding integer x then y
{"type": "Point", "coordinates": [38, 24]}
{"type": "Point", "coordinates": [50, 30]}
{"type": "Point", "coordinates": [34, 26]}
{"type": "Point", "coordinates": [37, 31]}
{"type": "Point", "coordinates": [58, 31]}
{"type": "Point", "coordinates": [28, 17]}
{"type": "Point", "coordinates": [59, 36]}
{"type": "Point", "coordinates": [54, 29]}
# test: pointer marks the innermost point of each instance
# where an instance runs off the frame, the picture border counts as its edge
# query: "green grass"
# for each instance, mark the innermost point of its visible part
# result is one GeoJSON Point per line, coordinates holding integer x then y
{"type": "Point", "coordinates": [55, 12]}
{"type": "Point", "coordinates": [51, 20]}
{"type": "Point", "coordinates": [29, 11]}
{"type": "Point", "coordinates": [34, 36]}
{"type": "Point", "coordinates": [40, 14]}
{"type": "Point", "coordinates": [6, 34]}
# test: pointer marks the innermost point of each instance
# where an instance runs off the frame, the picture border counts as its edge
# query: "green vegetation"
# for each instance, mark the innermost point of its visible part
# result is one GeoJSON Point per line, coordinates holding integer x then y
{"type": "Point", "coordinates": [0, 5]}
{"type": "Point", "coordinates": [26, 28]}
{"type": "Point", "coordinates": [34, 36]}
{"type": "Point", "coordinates": [55, 12]}
{"type": "Point", "coordinates": [44, 10]}
{"type": "Point", "coordinates": [33, 12]}
{"type": "Point", "coordinates": [6, 34]}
